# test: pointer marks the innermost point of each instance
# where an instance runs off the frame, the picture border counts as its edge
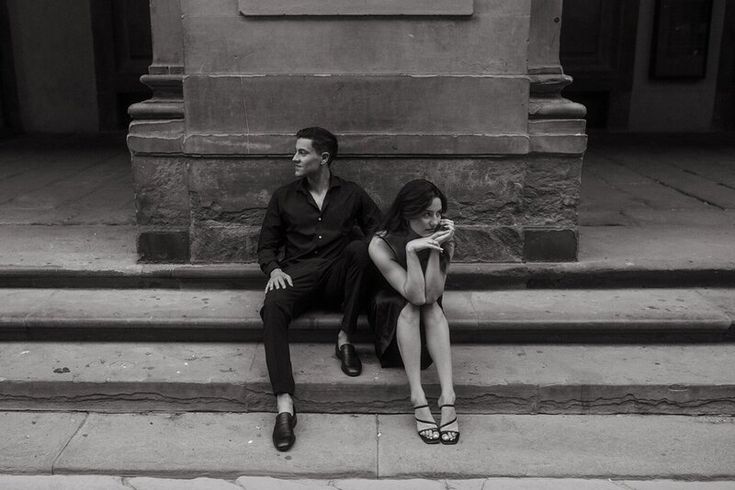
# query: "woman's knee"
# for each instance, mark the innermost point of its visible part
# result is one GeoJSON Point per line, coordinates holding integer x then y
{"type": "Point", "coordinates": [410, 314]}
{"type": "Point", "coordinates": [432, 312]}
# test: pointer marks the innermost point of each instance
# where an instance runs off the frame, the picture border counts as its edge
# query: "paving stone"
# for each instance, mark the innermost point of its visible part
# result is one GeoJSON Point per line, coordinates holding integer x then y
{"type": "Point", "coordinates": [678, 485]}
{"type": "Point", "coordinates": [662, 246]}
{"type": "Point", "coordinates": [144, 483]}
{"type": "Point", "coordinates": [221, 445]}
{"type": "Point", "coordinates": [31, 441]}
{"type": "Point", "coordinates": [536, 484]}
{"type": "Point", "coordinates": [62, 482]}
{"type": "Point", "coordinates": [68, 246]}
{"type": "Point", "coordinates": [269, 483]}
{"type": "Point", "coordinates": [563, 446]}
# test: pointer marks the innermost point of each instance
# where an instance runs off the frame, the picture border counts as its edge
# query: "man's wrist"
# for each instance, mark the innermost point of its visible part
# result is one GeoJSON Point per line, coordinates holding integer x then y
{"type": "Point", "coordinates": [276, 270]}
{"type": "Point", "coordinates": [269, 268]}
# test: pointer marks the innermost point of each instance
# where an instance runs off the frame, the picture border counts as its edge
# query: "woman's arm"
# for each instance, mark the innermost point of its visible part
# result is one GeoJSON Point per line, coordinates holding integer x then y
{"type": "Point", "coordinates": [408, 282]}
{"type": "Point", "coordinates": [436, 278]}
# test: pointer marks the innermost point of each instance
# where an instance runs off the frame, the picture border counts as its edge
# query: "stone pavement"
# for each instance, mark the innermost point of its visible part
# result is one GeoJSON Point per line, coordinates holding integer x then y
{"type": "Point", "coordinates": [340, 446]}
{"type": "Point", "coordinates": [98, 482]}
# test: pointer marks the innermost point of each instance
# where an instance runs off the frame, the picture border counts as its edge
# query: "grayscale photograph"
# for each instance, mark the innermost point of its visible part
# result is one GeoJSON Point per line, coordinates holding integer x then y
{"type": "Point", "coordinates": [367, 244]}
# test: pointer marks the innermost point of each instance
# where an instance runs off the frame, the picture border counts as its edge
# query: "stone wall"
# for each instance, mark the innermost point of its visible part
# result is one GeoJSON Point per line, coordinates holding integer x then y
{"type": "Point", "coordinates": [448, 95]}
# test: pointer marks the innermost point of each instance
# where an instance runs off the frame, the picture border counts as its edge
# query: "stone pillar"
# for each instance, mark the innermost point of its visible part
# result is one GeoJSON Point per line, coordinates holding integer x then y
{"type": "Point", "coordinates": [155, 139]}
{"type": "Point", "coordinates": [419, 88]}
{"type": "Point", "coordinates": [556, 128]}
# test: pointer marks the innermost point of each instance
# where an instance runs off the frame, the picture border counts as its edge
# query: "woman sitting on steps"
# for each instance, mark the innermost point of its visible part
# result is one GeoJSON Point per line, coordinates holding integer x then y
{"type": "Point", "coordinates": [412, 253]}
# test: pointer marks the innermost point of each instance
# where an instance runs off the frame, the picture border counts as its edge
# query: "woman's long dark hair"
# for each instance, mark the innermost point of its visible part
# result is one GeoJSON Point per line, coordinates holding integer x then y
{"type": "Point", "coordinates": [411, 202]}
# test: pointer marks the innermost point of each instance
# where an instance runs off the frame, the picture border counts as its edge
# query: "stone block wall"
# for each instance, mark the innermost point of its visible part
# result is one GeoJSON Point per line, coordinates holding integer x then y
{"type": "Point", "coordinates": [467, 97]}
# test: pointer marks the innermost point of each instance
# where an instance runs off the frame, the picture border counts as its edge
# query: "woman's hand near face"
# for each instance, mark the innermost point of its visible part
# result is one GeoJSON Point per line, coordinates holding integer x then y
{"type": "Point", "coordinates": [446, 231]}
{"type": "Point", "coordinates": [430, 242]}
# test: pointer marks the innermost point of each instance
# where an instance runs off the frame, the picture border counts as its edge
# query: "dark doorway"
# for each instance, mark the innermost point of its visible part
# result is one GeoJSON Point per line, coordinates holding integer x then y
{"type": "Point", "coordinates": [9, 114]}
{"type": "Point", "coordinates": [598, 51]}
{"type": "Point", "coordinates": [123, 52]}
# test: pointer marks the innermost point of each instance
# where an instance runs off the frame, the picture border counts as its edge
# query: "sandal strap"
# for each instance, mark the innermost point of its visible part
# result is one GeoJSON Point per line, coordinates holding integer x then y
{"type": "Point", "coordinates": [430, 422]}
{"type": "Point", "coordinates": [449, 423]}
{"type": "Point", "coordinates": [446, 405]}
{"type": "Point", "coordinates": [421, 406]}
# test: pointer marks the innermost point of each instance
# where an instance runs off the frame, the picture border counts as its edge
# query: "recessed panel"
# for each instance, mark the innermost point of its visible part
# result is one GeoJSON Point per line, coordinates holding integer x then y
{"type": "Point", "coordinates": [354, 7]}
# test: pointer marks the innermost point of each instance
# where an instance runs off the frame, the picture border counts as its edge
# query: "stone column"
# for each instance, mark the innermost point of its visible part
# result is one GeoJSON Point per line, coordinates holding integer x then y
{"type": "Point", "coordinates": [556, 129]}
{"type": "Point", "coordinates": [155, 140]}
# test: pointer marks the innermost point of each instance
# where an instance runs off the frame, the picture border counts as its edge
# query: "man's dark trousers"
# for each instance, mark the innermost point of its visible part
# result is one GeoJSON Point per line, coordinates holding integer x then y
{"type": "Point", "coordinates": [327, 283]}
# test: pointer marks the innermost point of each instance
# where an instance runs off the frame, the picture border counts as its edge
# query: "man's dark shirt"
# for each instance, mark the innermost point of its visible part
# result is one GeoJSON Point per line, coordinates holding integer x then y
{"type": "Point", "coordinates": [293, 220]}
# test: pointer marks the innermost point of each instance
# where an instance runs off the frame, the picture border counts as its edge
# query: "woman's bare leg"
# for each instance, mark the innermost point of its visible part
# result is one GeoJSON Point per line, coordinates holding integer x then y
{"type": "Point", "coordinates": [408, 336]}
{"type": "Point", "coordinates": [437, 341]}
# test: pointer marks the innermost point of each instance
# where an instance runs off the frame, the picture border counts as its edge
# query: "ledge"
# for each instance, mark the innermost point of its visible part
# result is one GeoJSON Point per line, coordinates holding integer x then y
{"type": "Point", "coordinates": [356, 144]}
{"type": "Point", "coordinates": [356, 7]}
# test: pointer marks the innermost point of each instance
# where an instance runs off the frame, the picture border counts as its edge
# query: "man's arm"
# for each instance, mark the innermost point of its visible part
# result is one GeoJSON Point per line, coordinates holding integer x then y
{"type": "Point", "coordinates": [271, 237]}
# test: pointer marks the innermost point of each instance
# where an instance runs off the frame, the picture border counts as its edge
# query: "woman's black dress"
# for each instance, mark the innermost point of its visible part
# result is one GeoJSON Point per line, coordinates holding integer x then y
{"type": "Point", "coordinates": [386, 303]}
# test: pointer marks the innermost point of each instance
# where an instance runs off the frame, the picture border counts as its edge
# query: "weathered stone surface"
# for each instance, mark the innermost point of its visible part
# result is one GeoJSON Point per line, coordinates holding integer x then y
{"type": "Point", "coordinates": [144, 483]}
{"type": "Point", "coordinates": [488, 244]}
{"type": "Point", "coordinates": [354, 144]}
{"type": "Point", "coordinates": [533, 484]}
{"type": "Point", "coordinates": [480, 191]}
{"type": "Point", "coordinates": [229, 197]}
{"type": "Point", "coordinates": [678, 485]}
{"type": "Point", "coordinates": [563, 446]}
{"type": "Point", "coordinates": [221, 445]}
{"type": "Point", "coordinates": [219, 40]}
{"type": "Point", "coordinates": [551, 191]}
{"type": "Point", "coordinates": [161, 191]}
{"type": "Point", "coordinates": [626, 308]}
{"type": "Point", "coordinates": [232, 377]}
{"type": "Point", "coordinates": [62, 482]}
{"type": "Point", "coordinates": [228, 242]}
{"type": "Point", "coordinates": [31, 442]}
{"type": "Point", "coordinates": [723, 299]}
{"type": "Point", "coordinates": [375, 104]}
{"type": "Point", "coordinates": [236, 190]}
{"type": "Point", "coordinates": [169, 245]}
{"type": "Point", "coordinates": [549, 245]}
{"type": "Point", "coordinates": [268, 483]}
{"type": "Point", "coordinates": [156, 136]}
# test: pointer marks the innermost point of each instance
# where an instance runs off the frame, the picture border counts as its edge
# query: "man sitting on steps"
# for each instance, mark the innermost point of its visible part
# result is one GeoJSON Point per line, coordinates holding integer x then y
{"type": "Point", "coordinates": [313, 219]}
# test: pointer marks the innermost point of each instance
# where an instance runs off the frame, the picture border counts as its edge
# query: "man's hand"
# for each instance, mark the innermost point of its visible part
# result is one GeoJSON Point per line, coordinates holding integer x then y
{"type": "Point", "coordinates": [278, 280]}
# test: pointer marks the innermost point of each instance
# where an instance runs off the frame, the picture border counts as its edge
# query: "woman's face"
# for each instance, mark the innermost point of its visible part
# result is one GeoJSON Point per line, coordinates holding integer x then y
{"type": "Point", "coordinates": [425, 224]}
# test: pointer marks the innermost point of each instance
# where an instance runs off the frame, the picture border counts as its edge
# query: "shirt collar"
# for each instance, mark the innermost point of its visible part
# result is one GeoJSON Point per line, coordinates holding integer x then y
{"type": "Point", "coordinates": [334, 181]}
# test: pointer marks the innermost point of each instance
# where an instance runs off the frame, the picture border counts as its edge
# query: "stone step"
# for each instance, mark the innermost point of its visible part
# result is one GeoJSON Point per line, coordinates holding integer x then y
{"type": "Point", "coordinates": [340, 446]}
{"type": "Point", "coordinates": [117, 482]}
{"type": "Point", "coordinates": [696, 379]}
{"type": "Point", "coordinates": [475, 316]}
{"type": "Point", "coordinates": [118, 274]}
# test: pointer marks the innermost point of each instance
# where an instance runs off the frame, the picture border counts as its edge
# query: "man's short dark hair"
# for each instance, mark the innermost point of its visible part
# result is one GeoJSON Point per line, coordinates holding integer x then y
{"type": "Point", "coordinates": [322, 140]}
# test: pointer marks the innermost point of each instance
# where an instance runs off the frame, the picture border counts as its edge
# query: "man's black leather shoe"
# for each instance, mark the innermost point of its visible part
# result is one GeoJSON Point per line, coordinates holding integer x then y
{"type": "Point", "coordinates": [283, 436]}
{"type": "Point", "coordinates": [351, 364]}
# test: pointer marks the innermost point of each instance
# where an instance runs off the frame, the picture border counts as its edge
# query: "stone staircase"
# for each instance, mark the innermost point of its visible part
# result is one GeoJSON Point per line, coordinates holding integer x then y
{"type": "Point", "coordinates": [169, 353]}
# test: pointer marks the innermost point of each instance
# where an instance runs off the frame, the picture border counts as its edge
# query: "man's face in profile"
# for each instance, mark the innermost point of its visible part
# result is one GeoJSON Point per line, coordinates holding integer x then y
{"type": "Point", "coordinates": [306, 159]}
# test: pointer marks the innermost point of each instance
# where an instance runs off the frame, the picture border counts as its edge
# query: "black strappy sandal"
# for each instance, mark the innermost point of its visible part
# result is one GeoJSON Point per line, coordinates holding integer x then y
{"type": "Point", "coordinates": [454, 433]}
{"type": "Point", "coordinates": [425, 438]}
